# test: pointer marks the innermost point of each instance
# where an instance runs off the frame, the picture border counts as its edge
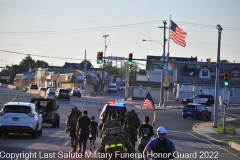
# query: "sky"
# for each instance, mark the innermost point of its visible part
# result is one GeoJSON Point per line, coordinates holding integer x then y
{"type": "Point", "coordinates": [59, 31]}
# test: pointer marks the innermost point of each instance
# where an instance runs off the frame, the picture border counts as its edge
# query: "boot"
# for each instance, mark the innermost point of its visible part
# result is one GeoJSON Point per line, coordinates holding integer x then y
{"type": "Point", "coordinates": [73, 149]}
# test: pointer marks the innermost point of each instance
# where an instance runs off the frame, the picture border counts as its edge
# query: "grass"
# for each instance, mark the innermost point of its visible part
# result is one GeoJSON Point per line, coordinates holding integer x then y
{"type": "Point", "coordinates": [230, 129]}
{"type": "Point", "coordinates": [232, 140]}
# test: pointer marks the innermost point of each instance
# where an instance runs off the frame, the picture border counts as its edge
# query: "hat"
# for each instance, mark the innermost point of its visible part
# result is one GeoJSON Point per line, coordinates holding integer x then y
{"type": "Point", "coordinates": [92, 117]}
{"type": "Point", "coordinates": [161, 130]}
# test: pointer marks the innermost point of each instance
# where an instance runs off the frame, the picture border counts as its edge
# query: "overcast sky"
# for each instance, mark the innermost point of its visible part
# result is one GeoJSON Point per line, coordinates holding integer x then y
{"type": "Point", "coordinates": [66, 28]}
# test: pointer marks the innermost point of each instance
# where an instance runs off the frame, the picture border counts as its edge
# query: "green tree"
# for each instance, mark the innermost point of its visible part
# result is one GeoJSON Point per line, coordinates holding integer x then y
{"type": "Point", "coordinates": [224, 60]}
{"type": "Point", "coordinates": [27, 62]}
{"type": "Point", "coordinates": [39, 64]}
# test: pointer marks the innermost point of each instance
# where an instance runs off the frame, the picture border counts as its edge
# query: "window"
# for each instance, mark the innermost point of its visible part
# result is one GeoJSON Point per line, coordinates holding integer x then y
{"type": "Point", "coordinates": [205, 73]}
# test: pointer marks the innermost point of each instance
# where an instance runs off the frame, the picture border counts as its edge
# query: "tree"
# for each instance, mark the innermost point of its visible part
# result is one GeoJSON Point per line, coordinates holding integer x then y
{"type": "Point", "coordinates": [27, 62]}
{"type": "Point", "coordinates": [224, 60]}
{"type": "Point", "coordinates": [40, 64]}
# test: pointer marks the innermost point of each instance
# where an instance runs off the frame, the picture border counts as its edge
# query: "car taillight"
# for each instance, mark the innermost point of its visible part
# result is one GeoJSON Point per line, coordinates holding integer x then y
{"type": "Point", "coordinates": [50, 114]}
{"type": "Point", "coordinates": [1, 113]}
{"type": "Point", "coordinates": [30, 114]}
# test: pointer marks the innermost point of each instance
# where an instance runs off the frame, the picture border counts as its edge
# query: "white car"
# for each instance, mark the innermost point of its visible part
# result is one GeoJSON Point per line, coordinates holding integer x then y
{"type": "Point", "coordinates": [20, 117]}
{"type": "Point", "coordinates": [51, 91]}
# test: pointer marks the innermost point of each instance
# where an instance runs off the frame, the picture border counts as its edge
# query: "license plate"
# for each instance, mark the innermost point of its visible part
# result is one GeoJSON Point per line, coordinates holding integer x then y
{"type": "Point", "coordinates": [189, 112]}
{"type": "Point", "coordinates": [15, 118]}
{"type": "Point", "coordinates": [63, 93]}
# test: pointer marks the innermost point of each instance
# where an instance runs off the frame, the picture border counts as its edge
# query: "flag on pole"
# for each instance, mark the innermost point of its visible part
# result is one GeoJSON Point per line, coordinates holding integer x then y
{"type": "Point", "coordinates": [177, 34]}
{"type": "Point", "coordinates": [149, 103]}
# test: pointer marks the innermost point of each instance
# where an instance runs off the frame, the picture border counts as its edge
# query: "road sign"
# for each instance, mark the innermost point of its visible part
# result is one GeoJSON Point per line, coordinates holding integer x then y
{"type": "Point", "coordinates": [166, 84]}
{"type": "Point", "coordinates": [225, 96]}
{"type": "Point", "coordinates": [165, 66]}
{"type": "Point", "coordinates": [140, 89]}
{"type": "Point", "coordinates": [157, 66]}
{"type": "Point", "coordinates": [225, 104]}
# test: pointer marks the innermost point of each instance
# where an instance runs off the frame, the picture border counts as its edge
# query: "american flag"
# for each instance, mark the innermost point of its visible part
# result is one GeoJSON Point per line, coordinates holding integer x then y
{"type": "Point", "coordinates": [148, 102]}
{"type": "Point", "coordinates": [177, 34]}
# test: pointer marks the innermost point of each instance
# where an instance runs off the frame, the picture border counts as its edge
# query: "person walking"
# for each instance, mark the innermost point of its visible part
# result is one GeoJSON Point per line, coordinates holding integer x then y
{"type": "Point", "coordinates": [100, 119]}
{"type": "Point", "coordinates": [120, 117]}
{"type": "Point", "coordinates": [161, 145]}
{"type": "Point", "coordinates": [71, 123]}
{"type": "Point", "coordinates": [93, 134]}
{"type": "Point", "coordinates": [145, 134]}
{"type": "Point", "coordinates": [131, 125]}
{"type": "Point", "coordinates": [83, 129]}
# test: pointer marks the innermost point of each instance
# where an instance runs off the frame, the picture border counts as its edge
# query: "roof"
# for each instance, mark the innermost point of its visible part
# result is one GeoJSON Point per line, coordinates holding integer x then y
{"type": "Point", "coordinates": [65, 77]}
{"type": "Point", "coordinates": [19, 103]}
{"type": "Point", "coordinates": [55, 77]}
{"type": "Point", "coordinates": [77, 66]}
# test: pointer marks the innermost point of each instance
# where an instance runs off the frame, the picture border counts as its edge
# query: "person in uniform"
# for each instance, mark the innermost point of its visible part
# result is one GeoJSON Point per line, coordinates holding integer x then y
{"type": "Point", "coordinates": [114, 138]}
{"type": "Point", "coordinates": [83, 130]}
{"type": "Point", "coordinates": [145, 133]}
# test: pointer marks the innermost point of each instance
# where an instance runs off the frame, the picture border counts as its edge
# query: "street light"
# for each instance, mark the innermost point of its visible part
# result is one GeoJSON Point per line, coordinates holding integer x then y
{"type": "Point", "coordinates": [215, 120]}
{"type": "Point", "coordinates": [162, 75]}
{"type": "Point", "coordinates": [105, 47]}
{"type": "Point", "coordinates": [152, 41]}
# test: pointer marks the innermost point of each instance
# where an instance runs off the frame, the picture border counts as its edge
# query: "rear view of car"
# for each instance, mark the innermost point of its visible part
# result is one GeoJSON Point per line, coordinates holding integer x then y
{"type": "Point", "coordinates": [20, 117]}
{"type": "Point", "coordinates": [195, 110]}
{"type": "Point", "coordinates": [75, 92]}
{"type": "Point", "coordinates": [51, 91]}
{"type": "Point", "coordinates": [63, 94]}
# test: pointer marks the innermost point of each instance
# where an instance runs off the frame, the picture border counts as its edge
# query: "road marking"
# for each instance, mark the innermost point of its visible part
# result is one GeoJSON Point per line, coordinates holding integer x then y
{"type": "Point", "coordinates": [204, 140]}
{"type": "Point", "coordinates": [66, 143]}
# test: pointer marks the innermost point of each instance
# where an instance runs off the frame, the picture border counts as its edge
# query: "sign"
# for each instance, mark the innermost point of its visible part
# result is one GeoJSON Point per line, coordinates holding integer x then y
{"type": "Point", "coordinates": [220, 100]}
{"type": "Point", "coordinates": [225, 95]}
{"type": "Point", "coordinates": [157, 66]}
{"type": "Point", "coordinates": [165, 66]}
{"type": "Point", "coordinates": [140, 89]}
{"type": "Point", "coordinates": [166, 84]}
{"type": "Point", "coordinates": [225, 104]}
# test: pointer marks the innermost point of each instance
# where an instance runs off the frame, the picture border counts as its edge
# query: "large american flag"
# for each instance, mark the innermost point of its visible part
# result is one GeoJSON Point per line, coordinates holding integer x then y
{"type": "Point", "coordinates": [177, 34]}
{"type": "Point", "coordinates": [148, 102]}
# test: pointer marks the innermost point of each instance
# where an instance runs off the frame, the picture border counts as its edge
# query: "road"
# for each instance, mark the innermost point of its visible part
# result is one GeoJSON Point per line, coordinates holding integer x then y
{"type": "Point", "coordinates": [54, 143]}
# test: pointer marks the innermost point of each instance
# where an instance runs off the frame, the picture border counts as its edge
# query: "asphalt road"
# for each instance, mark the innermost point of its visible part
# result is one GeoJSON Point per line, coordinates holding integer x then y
{"type": "Point", "coordinates": [54, 143]}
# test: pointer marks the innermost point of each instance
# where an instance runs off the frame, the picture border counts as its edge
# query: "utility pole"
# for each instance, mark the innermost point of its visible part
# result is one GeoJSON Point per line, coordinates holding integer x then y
{"type": "Point", "coordinates": [126, 82]}
{"type": "Point", "coordinates": [215, 120]}
{"type": "Point", "coordinates": [105, 48]}
{"type": "Point", "coordinates": [161, 103]}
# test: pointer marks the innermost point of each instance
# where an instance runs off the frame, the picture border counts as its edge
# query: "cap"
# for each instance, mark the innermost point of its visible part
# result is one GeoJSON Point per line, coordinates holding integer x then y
{"type": "Point", "coordinates": [92, 117]}
{"type": "Point", "coordinates": [161, 130]}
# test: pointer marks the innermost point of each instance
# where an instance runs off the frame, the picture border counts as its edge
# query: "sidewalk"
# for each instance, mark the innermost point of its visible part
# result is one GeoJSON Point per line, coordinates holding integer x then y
{"type": "Point", "coordinates": [206, 129]}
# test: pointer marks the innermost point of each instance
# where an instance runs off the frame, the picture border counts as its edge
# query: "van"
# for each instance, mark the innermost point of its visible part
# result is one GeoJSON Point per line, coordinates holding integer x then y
{"type": "Point", "coordinates": [112, 87]}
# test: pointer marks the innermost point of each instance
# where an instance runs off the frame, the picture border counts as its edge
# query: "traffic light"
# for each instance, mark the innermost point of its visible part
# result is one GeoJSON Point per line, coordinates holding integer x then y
{"type": "Point", "coordinates": [99, 57]}
{"type": "Point", "coordinates": [208, 61]}
{"type": "Point", "coordinates": [130, 59]}
{"type": "Point", "coordinates": [226, 79]}
{"type": "Point", "coordinates": [7, 68]}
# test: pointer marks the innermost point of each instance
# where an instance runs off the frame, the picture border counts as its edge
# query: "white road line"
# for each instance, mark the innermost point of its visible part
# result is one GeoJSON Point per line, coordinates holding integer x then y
{"type": "Point", "coordinates": [233, 114]}
{"type": "Point", "coordinates": [66, 143]}
{"type": "Point", "coordinates": [205, 141]}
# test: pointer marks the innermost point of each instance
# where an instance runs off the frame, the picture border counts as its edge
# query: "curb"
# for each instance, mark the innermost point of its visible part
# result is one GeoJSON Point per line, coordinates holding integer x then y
{"type": "Point", "coordinates": [229, 143]}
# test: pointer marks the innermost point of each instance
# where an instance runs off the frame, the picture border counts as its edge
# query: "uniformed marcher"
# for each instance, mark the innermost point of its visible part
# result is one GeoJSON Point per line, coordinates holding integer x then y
{"type": "Point", "coordinates": [114, 138]}
{"type": "Point", "coordinates": [120, 117]}
{"type": "Point", "coordinates": [131, 125]}
{"type": "Point", "coordinates": [71, 122]}
{"type": "Point", "coordinates": [145, 133]}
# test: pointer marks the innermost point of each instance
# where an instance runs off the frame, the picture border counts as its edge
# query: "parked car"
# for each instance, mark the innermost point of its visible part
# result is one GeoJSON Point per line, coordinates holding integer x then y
{"type": "Point", "coordinates": [33, 86]}
{"type": "Point", "coordinates": [20, 117]}
{"type": "Point", "coordinates": [196, 110]}
{"type": "Point", "coordinates": [42, 89]}
{"type": "Point", "coordinates": [48, 108]}
{"type": "Point", "coordinates": [75, 92]}
{"type": "Point", "coordinates": [62, 93]}
{"type": "Point", "coordinates": [51, 91]}
{"type": "Point", "coordinates": [201, 99]}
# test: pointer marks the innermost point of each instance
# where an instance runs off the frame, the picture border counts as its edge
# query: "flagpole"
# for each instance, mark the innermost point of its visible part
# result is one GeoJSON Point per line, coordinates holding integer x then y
{"type": "Point", "coordinates": [169, 36]}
